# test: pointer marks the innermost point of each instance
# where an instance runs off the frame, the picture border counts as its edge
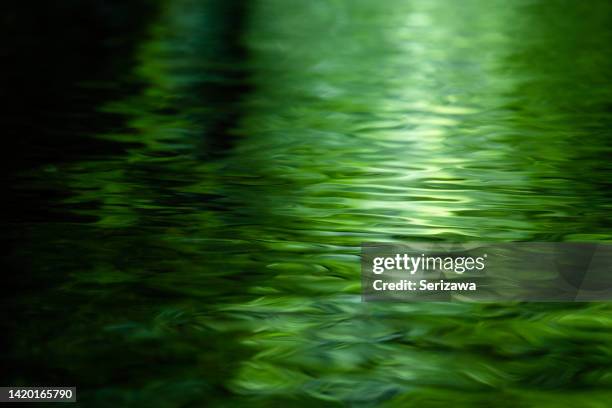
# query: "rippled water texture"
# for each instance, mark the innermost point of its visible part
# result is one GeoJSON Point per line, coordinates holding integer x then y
{"type": "Point", "coordinates": [195, 179]}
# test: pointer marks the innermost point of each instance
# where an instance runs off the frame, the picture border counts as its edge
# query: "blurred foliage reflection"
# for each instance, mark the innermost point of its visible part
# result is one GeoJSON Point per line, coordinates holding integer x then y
{"type": "Point", "coordinates": [202, 242]}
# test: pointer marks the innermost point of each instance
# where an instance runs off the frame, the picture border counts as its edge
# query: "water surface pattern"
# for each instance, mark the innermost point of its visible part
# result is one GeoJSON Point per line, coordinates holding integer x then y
{"type": "Point", "coordinates": [198, 240]}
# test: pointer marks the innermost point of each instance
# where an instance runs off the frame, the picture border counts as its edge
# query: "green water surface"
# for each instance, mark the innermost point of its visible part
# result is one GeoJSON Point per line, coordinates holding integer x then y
{"type": "Point", "coordinates": [202, 247]}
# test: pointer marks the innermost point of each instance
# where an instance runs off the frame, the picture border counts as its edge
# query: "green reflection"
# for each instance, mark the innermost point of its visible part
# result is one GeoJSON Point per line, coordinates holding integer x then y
{"type": "Point", "coordinates": [217, 256]}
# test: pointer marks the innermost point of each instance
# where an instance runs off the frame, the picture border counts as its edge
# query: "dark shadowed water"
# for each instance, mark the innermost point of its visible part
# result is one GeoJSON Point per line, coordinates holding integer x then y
{"type": "Point", "coordinates": [192, 181]}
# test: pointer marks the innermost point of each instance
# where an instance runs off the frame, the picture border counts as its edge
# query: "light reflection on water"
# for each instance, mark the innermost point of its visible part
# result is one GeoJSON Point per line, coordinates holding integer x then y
{"type": "Point", "coordinates": [221, 261]}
